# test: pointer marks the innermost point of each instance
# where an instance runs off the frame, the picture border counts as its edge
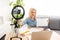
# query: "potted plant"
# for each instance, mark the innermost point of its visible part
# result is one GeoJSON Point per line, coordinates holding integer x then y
{"type": "Point", "coordinates": [18, 2]}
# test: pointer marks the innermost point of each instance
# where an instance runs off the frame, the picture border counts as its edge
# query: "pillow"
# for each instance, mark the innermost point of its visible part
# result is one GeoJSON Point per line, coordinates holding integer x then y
{"type": "Point", "coordinates": [42, 22]}
{"type": "Point", "coordinates": [54, 23]}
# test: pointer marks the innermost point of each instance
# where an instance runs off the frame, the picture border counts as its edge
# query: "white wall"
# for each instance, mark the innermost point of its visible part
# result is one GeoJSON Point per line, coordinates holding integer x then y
{"type": "Point", "coordinates": [44, 7]}
{"type": "Point", "coordinates": [4, 13]}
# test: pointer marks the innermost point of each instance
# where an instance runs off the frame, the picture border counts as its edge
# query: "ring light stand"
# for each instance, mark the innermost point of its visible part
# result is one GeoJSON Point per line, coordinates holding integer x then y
{"type": "Point", "coordinates": [18, 13]}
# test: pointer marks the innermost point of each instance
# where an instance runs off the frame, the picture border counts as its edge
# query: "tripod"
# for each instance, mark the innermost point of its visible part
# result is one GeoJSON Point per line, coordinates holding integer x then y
{"type": "Point", "coordinates": [15, 30]}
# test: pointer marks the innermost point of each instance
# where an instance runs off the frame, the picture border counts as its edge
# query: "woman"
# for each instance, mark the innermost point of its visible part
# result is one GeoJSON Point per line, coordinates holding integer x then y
{"type": "Point", "coordinates": [31, 20]}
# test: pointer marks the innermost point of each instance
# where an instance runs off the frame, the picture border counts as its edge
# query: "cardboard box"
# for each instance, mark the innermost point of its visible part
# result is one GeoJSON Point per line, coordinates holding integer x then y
{"type": "Point", "coordinates": [42, 35]}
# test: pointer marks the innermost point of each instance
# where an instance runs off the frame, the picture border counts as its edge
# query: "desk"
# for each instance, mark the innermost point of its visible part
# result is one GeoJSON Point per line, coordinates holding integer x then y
{"type": "Point", "coordinates": [54, 35]}
{"type": "Point", "coordinates": [28, 35]}
{"type": "Point", "coordinates": [12, 34]}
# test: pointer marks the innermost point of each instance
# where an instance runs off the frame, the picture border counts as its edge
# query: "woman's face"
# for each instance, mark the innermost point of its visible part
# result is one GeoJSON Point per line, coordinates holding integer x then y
{"type": "Point", "coordinates": [33, 13]}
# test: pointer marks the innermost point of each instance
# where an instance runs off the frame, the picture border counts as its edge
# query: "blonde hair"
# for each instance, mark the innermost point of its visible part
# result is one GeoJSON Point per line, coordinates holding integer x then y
{"type": "Point", "coordinates": [31, 11]}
